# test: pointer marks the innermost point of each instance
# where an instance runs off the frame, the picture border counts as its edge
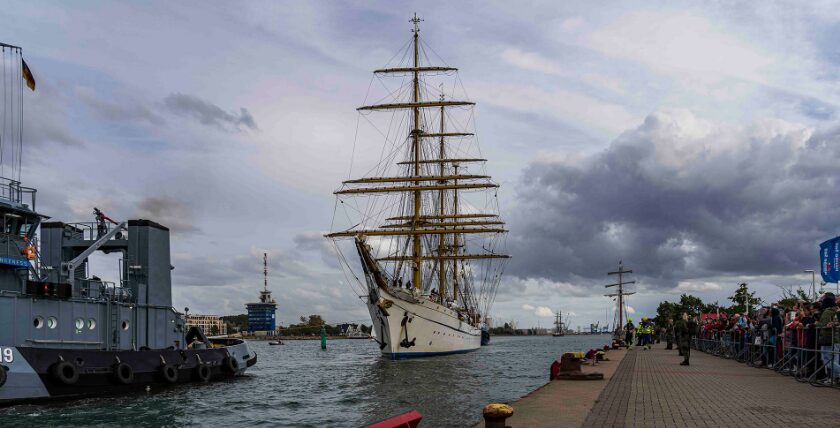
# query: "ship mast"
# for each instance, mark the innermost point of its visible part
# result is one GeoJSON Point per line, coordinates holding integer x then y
{"type": "Point", "coordinates": [621, 293]}
{"type": "Point", "coordinates": [442, 211]}
{"type": "Point", "coordinates": [415, 134]}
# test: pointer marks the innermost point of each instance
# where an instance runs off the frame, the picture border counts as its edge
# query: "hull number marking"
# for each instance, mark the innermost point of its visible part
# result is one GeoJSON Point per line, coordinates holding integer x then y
{"type": "Point", "coordinates": [6, 355]}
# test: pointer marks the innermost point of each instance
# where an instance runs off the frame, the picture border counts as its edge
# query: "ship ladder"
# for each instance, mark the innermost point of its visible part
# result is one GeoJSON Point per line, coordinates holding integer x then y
{"type": "Point", "coordinates": [115, 325]}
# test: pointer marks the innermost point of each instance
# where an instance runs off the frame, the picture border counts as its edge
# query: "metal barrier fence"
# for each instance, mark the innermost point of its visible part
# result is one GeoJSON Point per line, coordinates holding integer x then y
{"type": "Point", "coordinates": [808, 354]}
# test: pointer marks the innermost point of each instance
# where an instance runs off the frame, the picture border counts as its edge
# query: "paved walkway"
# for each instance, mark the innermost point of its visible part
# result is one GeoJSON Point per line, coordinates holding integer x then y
{"type": "Point", "coordinates": [563, 403]}
{"type": "Point", "coordinates": [651, 389]}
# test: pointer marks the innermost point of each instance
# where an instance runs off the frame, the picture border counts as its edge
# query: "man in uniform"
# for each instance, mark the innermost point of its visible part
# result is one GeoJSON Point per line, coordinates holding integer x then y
{"type": "Point", "coordinates": [686, 329]}
{"type": "Point", "coordinates": [669, 334]}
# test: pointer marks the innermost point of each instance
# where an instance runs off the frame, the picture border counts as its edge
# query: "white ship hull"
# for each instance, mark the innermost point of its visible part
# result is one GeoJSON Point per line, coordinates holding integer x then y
{"type": "Point", "coordinates": [409, 326]}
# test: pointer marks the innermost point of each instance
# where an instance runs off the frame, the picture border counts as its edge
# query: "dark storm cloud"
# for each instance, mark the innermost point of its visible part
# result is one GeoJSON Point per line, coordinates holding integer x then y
{"type": "Point", "coordinates": [167, 211]}
{"type": "Point", "coordinates": [679, 198]}
{"type": "Point", "coordinates": [209, 114]}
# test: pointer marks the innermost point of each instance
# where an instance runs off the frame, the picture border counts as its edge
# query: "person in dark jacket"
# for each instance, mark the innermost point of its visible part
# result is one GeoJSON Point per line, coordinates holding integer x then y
{"type": "Point", "coordinates": [828, 335]}
{"type": "Point", "coordinates": [669, 334]}
{"type": "Point", "coordinates": [775, 330]}
{"type": "Point", "coordinates": [685, 329]}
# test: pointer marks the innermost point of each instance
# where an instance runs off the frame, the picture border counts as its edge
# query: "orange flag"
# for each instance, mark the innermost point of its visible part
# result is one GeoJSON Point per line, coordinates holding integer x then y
{"type": "Point", "coordinates": [27, 75]}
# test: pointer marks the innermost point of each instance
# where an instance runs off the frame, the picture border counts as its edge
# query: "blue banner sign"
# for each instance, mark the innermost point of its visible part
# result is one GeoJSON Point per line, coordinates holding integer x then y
{"type": "Point", "coordinates": [14, 262]}
{"type": "Point", "coordinates": [829, 260]}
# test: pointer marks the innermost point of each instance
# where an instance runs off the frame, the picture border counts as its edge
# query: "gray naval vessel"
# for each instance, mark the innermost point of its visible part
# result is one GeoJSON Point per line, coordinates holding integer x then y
{"type": "Point", "coordinates": [65, 333]}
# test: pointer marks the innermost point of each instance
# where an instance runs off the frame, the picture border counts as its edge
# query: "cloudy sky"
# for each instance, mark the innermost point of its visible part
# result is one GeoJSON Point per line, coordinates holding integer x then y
{"type": "Point", "coordinates": [697, 142]}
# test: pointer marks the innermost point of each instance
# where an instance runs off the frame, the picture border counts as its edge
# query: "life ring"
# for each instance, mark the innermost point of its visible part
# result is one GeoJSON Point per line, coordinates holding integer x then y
{"type": "Point", "coordinates": [65, 372]}
{"type": "Point", "coordinates": [231, 364]}
{"type": "Point", "coordinates": [3, 375]}
{"type": "Point", "coordinates": [169, 373]}
{"type": "Point", "coordinates": [202, 372]}
{"type": "Point", "coordinates": [123, 373]}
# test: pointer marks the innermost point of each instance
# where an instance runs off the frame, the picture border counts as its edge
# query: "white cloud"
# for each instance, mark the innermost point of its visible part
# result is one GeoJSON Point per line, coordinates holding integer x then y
{"type": "Point", "coordinates": [629, 309]}
{"type": "Point", "coordinates": [531, 61]}
{"type": "Point", "coordinates": [697, 286]}
{"type": "Point", "coordinates": [528, 307]}
{"type": "Point", "coordinates": [543, 311]}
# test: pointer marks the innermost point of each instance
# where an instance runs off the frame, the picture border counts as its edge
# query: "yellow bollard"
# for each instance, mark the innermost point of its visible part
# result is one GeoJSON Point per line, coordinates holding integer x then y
{"type": "Point", "coordinates": [495, 415]}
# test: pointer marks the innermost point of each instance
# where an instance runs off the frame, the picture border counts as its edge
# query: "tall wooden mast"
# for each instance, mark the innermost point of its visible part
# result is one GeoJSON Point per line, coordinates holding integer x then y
{"type": "Point", "coordinates": [415, 134]}
{"type": "Point", "coordinates": [442, 209]}
{"type": "Point", "coordinates": [621, 293]}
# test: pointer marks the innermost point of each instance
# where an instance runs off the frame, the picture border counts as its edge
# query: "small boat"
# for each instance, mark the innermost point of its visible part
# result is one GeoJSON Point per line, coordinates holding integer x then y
{"type": "Point", "coordinates": [275, 342]}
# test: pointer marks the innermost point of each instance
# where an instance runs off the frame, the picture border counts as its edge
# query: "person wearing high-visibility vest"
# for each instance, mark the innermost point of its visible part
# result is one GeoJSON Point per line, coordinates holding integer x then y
{"type": "Point", "coordinates": [639, 333]}
{"type": "Point", "coordinates": [647, 333]}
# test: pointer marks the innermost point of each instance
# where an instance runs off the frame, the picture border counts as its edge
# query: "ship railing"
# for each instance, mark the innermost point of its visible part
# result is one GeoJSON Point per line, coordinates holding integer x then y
{"type": "Point", "coordinates": [91, 230]}
{"type": "Point", "coordinates": [808, 354]}
{"type": "Point", "coordinates": [101, 290]}
{"type": "Point", "coordinates": [12, 191]}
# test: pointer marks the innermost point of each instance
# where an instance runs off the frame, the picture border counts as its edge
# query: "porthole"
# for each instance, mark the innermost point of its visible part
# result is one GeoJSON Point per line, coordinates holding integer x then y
{"type": "Point", "coordinates": [52, 322]}
{"type": "Point", "coordinates": [38, 322]}
{"type": "Point", "coordinates": [80, 324]}
{"type": "Point", "coordinates": [125, 325]}
{"type": "Point", "coordinates": [91, 324]}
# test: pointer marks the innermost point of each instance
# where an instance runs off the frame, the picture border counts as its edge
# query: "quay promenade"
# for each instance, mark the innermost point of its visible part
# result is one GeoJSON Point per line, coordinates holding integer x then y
{"type": "Point", "coordinates": [650, 389]}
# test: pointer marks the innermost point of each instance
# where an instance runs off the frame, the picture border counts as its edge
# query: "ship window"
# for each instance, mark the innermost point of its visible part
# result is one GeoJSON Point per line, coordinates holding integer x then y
{"type": "Point", "coordinates": [80, 324]}
{"type": "Point", "coordinates": [91, 324]}
{"type": "Point", "coordinates": [52, 322]}
{"type": "Point", "coordinates": [125, 325]}
{"type": "Point", "coordinates": [38, 322]}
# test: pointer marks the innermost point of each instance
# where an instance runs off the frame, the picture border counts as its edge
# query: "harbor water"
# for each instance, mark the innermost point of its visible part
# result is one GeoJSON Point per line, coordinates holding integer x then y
{"type": "Point", "coordinates": [348, 384]}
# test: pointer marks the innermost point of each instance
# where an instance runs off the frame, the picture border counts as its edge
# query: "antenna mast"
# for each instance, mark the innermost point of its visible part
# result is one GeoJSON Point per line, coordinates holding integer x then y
{"type": "Point", "coordinates": [265, 271]}
{"type": "Point", "coordinates": [621, 293]}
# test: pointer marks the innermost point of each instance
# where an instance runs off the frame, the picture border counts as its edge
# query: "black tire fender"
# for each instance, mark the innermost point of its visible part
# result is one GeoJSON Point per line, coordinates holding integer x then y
{"type": "Point", "coordinates": [123, 373]}
{"type": "Point", "coordinates": [203, 372]}
{"type": "Point", "coordinates": [3, 375]}
{"type": "Point", "coordinates": [231, 364]}
{"type": "Point", "coordinates": [169, 373]}
{"type": "Point", "coordinates": [65, 372]}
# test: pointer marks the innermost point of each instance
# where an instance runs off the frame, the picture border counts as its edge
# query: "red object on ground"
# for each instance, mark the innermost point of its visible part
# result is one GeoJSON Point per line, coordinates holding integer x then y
{"type": "Point", "coordinates": [555, 369]}
{"type": "Point", "coordinates": [406, 420]}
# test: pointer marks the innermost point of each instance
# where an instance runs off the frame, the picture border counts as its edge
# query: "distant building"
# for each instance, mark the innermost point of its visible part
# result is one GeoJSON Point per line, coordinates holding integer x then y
{"type": "Point", "coordinates": [262, 314]}
{"type": "Point", "coordinates": [212, 325]}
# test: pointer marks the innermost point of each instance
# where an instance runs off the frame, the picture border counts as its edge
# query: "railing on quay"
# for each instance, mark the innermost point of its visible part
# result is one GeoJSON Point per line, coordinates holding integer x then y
{"type": "Point", "coordinates": [809, 354]}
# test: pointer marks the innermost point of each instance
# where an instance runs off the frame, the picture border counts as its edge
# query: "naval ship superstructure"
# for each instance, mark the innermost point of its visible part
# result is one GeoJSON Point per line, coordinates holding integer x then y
{"type": "Point", "coordinates": [65, 333]}
{"type": "Point", "coordinates": [424, 221]}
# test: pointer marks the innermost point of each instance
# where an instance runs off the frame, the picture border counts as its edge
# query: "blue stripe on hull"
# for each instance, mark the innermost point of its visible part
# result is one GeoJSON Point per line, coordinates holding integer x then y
{"type": "Point", "coordinates": [407, 355]}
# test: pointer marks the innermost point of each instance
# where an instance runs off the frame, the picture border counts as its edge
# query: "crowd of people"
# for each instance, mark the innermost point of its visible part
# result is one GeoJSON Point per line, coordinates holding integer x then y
{"type": "Point", "coordinates": [802, 339]}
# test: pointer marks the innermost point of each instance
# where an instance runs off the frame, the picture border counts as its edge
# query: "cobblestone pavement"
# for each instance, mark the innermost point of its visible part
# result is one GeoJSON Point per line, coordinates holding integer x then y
{"type": "Point", "coordinates": [651, 389]}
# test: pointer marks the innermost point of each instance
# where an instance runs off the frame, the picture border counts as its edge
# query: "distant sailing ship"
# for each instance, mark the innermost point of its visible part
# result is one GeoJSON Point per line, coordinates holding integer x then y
{"type": "Point", "coordinates": [559, 328]}
{"type": "Point", "coordinates": [426, 227]}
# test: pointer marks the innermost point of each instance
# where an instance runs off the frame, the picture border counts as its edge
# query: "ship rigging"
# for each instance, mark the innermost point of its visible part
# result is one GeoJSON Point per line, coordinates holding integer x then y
{"type": "Point", "coordinates": [424, 219]}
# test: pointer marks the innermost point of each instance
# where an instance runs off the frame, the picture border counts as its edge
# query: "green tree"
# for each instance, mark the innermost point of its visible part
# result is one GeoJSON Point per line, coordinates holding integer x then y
{"type": "Point", "coordinates": [314, 320]}
{"type": "Point", "coordinates": [743, 300]}
{"type": "Point", "coordinates": [691, 304]}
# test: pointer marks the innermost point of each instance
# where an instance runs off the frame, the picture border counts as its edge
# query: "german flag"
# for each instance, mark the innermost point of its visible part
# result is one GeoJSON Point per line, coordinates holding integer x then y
{"type": "Point", "coordinates": [27, 75]}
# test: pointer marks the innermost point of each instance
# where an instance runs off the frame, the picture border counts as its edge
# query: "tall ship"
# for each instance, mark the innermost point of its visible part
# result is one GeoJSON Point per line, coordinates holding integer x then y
{"type": "Point", "coordinates": [420, 234]}
{"type": "Point", "coordinates": [559, 327]}
{"type": "Point", "coordinates": [67, 333]}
